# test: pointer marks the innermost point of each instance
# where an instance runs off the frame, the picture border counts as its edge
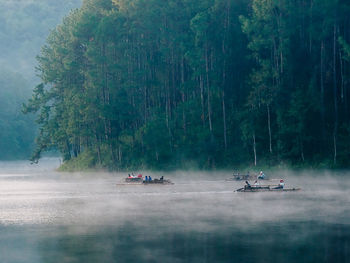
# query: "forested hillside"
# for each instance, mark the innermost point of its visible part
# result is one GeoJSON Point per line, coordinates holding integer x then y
{"type": "Point", "coordinates": [25, 25]}
{"type": "Point", "coordinates": [211, 83]}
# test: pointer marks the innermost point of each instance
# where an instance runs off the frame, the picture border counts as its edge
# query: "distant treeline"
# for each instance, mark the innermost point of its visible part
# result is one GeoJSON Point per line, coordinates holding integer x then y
{"type": "Point", "coordinates": [24, 27]}
{"type": "Point", "coordinates": [17, 131]}
{"type": "Point", "coordinates": [213, 83]}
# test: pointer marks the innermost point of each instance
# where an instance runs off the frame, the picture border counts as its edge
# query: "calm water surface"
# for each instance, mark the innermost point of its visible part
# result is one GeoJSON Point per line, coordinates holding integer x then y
{"type": "Point", "coordinates": [46, 216]}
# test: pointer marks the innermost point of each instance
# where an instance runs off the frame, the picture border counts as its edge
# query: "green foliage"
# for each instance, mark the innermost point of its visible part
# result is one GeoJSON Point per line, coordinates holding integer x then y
{"type": "Point", "coordinates": [346, 48]}
{"type": "Point", "coordinates": [215, 83]}
{"type": "Point", "coordinates": [84, 162]}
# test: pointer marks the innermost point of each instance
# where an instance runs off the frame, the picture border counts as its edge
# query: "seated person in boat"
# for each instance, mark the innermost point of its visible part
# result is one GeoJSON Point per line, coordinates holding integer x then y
{"type": "Point", "coordinates": [261, 175]}
{"type": "Point", "coordinates": [161, 178]}
{"type": "Point", "coordinates": [256, 183]}
{"type": "Point", "coordinates": [280, 185]}
{"type": "Point", "coordinates": [131, 176]}
{"type": "Point", "coordinates": [247, 185]}
{"type": "Point", "coordinates": [146, 178]}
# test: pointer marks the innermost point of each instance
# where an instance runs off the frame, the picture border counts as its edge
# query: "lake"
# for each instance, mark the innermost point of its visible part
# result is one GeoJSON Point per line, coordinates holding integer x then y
{"type": "Point", "coordinates": [46, 216]}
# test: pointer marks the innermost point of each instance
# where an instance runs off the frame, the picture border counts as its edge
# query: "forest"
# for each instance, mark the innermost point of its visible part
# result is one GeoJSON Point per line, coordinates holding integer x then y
{"type": "Point", "coordinates": [165, 84]}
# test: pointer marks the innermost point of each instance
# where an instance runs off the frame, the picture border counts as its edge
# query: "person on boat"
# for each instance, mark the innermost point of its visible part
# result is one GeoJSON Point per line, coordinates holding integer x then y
{"type": "Point", "coordinates": [149, 178]}
{"type": "Point", "coordinates": [261, 175]}
{"type": "Point", "coordinates": [146, 178]}
{"type": "Point", "coordinates": [161, 178]}
{"type": "Point", "coordinates": [237, 176]}
{"type": "Point", "coordinates": [256, 183]}
{"type": "Point", "coordinates": [280, 185]}
{"type": "Point", "coordinates": [247, 185]}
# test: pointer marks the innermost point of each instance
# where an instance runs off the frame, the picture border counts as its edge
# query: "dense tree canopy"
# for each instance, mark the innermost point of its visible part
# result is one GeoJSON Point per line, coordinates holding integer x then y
{"type": "Point", "coordinates": [213, 83]}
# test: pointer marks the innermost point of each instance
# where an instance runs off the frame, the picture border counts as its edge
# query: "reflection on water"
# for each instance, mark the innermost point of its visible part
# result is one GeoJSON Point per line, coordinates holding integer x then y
{"type": "Point", "coordinates": [52, 217]}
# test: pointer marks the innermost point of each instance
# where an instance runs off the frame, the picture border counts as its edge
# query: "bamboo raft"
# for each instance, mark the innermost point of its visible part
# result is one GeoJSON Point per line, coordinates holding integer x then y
{"type": "Point", "coordinates": [266, 188]}
{"type": "Point", "coordinates": [157, 182]}
{"type": "Point", "coordinates": [133, 180]}
{"type": "Point", "coordinates": [141, 181]}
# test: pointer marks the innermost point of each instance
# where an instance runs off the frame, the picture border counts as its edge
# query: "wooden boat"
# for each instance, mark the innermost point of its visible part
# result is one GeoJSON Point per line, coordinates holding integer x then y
{"type": "Point", "coordinates": [266, 188]}
{"type": "Point", "coordinates": [132, 180]}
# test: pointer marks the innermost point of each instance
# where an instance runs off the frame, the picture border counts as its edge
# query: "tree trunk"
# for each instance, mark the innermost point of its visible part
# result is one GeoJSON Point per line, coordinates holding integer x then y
{"type": "Point", "coordinates": [224, 118]}
{"type": "Point", "coordinates": [98, 148]}
{"type": "Point", "coordinates": [269, 126]}
{"type": "Point", "coordinates": [208, 90]}
{"type": "Point", "coordinates": [226, 27]}
{"type": "Point", "coordinates": [335, 148]}
{"type": "Point", "coordinates": [223, 95]}
{"type": "Point", "coordinates": [183, 95]}
{"type": "Point", "coordinates": [323, 119]}
{"type": "Point", "coordinates": [345, 91]}
{"type": "Point", "coordinates": [201, 86]}
{"type": "Point", "coordinates": [342, 77]}
{"type": "Point", "coordinates": [335, 96]}
{"type": "Point", "coordinates": [301, 145]}
{"type": "Point", "coordinates": [119, 154]}
{"type": "Point", "coordinates": [254, 148]}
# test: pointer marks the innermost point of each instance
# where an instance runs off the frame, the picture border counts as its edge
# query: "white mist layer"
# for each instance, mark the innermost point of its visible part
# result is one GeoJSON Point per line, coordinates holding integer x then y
{"type": "Point", "coordinates": [197, 200]}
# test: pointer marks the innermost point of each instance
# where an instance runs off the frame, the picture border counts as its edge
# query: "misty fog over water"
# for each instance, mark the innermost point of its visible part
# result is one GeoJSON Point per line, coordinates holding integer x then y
{"type": "Point", "coordinates": [173, 84]}
{"type": "Point", "coordinates": [87, 217]}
